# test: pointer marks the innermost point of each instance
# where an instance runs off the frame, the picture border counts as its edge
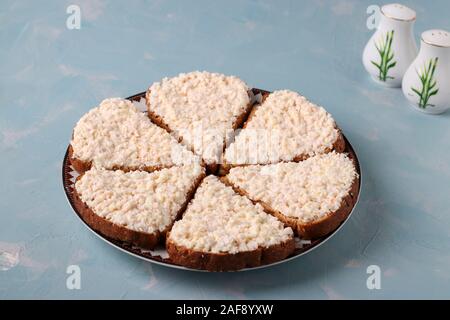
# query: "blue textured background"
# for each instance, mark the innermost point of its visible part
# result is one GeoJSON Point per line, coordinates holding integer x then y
{"type": "Point", "coordinates": [50, 76]}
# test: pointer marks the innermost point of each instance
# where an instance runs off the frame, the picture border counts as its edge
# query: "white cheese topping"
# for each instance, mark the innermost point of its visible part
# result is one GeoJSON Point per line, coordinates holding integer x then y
{"type": "Point", "coordinates": [219, 220]}
{"type": "Point", "coordinates": [307, 190]}
{"type": "Point", "coordinates": [138, 200]}
{"type": "Point", "coordinates": [117, 134]}
{"type": "Point", "coordinates": [286, 125]}
{"type": "Point", "coordinates": [200, 107]}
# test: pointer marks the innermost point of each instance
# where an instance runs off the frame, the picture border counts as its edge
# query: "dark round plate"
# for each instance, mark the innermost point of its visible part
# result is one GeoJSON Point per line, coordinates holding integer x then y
{"type": "Point", "coordinates": [159, 255]}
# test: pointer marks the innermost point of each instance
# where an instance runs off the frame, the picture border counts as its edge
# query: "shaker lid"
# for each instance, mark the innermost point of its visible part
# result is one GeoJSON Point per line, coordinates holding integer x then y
{"type": "Point", "coordinates": [438, 38]}
{"type": "Point", "coordinates": [398, 11]}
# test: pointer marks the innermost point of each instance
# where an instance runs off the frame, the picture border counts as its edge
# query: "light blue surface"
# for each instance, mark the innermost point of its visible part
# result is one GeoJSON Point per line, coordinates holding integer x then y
{"type": "Point", "coordinates": [50, 76]}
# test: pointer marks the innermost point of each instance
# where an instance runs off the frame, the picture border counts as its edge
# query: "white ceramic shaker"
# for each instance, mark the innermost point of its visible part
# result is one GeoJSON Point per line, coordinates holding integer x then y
{"type": "Point", "coordinates": [426, 84]}
{"type": "Point", "coordinates": [392, 48]}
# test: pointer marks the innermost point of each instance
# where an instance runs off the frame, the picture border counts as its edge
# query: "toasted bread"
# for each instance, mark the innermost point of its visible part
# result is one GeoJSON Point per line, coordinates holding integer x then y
{"type": "Point", "coordinates": [136, 207]}
{"type": "Point", "coordinates": [284, 127]}
{"type": "Point", "coordinates": [200, 109]}
{"type": "Point", "coordinates": [312, 197]}
{"type": "Point", "coordinates": [223, 231]}
{"type": "Point", "coordinates": [116, 135]}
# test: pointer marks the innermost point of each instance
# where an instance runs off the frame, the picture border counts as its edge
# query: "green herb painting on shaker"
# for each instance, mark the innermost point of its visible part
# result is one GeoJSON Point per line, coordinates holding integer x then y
{"type": "Point", "coordinates": [429, 84]}
{"type": "Point", "coordinates": [384, 48]}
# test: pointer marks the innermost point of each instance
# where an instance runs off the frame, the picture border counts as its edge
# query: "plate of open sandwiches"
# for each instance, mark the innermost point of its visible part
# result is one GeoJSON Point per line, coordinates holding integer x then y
{"type": "Point", "coordinates": [201, 172]}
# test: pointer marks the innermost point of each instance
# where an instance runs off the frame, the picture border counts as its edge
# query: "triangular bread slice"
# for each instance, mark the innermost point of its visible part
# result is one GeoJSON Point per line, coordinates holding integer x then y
{"type": "Point", "coordinates": [312, 197]}
{"type": "Point", "coordinates": [285, 127]}
{"type": "Point", "coordinates": [116, 135]}
{"type": "Point", "coordinates": [222, 231]}
{"type": "Point", "coordinates": [136, 206]}
{"type": "Point", "coordinates": [202, 109]}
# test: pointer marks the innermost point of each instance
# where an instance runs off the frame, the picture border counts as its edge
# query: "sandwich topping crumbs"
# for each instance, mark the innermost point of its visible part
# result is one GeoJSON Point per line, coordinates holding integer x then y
{"type": "Point", "coordinates": [116, 135]}
{"type": "Point", "coordinates": [201, 107]}
{"type": "Point", "coordinates": [219, 220]}
{"type": "Point", "coordinates": [138, 200]}
{"type": "Point", "coordinates": [292, 126]}
{"type": "Point", "coordinates": [307, 190]}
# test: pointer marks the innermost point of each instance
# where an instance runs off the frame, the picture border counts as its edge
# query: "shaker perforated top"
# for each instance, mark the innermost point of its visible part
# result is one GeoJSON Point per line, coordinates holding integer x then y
{"type": "Point", "coordinates": [440, 38]}
{"type": "Point", "coordinates": [398, 12]}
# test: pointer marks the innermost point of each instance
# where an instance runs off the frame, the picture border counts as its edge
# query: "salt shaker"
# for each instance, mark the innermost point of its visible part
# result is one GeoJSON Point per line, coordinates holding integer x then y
{"type": "Point", "coordinates": [426, 83]}
{"type": "Point", "coordinates": [392, 48]}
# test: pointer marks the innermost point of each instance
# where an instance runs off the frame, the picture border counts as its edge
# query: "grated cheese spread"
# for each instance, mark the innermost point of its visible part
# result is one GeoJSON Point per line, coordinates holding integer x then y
{"type": "Point", "coordinates": [307, 190]}
{"type": "Point", "coordinates": [219, 220]}
{"type": "Point", "coordinates": [117, 134]}
{"type": "Point", "coordinates": [141, 201]}
{"type": "Point", "coordinates": [201, 107]}
{"type": "Point", "coordinates": [284, 126]}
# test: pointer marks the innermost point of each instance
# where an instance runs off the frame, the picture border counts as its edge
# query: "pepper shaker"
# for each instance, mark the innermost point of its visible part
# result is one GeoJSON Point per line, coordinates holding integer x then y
{"type": "Point", "coordinates": [426, 84]}
{"type": "Point", "coordinates": [392, 48]}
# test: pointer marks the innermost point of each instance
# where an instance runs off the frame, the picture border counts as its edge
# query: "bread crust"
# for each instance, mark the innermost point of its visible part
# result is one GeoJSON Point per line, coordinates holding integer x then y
{"type": "Point", "coordinates": [118, 232]}
{"type": "Point", "coordinates": [314, 229]}
{"type": "Point", "coordinates": [83, 166]}
{"type": "Point", "coordinates": [338, 145]}
{"type": "Point", "coordinates": [158, 120]}
{"type": "Point", "coordinates": [225, 261]}
{"type": "Point", "coordinates": [79, 165]}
